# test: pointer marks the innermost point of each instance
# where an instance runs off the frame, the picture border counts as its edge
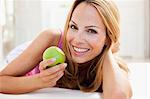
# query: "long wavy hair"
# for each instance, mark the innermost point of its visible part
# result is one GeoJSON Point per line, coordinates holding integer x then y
{"type": "Point", "coordinates": [88, 76]}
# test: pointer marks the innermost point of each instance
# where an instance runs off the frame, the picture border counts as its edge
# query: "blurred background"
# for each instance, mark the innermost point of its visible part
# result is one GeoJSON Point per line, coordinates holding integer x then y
{"type": "Point", "coordinates": [23, 20]}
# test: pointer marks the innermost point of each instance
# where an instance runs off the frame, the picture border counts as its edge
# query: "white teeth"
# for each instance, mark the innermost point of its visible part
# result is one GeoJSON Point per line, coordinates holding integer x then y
{"type": "Point", "coordinates": [80, 49]}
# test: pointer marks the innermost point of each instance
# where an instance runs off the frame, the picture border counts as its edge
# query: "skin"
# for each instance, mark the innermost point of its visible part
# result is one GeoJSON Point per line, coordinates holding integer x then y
{"type": "Point", "coordinates": [81, 34]}
{"type": "Point", "coordinates": [86, 32]}
{"type": "Point", "coordinates": [14, 71]}
{"type": "Point", "coordinates": [115, 80]}
{"type": "Point", "coordinates": [115, 83]}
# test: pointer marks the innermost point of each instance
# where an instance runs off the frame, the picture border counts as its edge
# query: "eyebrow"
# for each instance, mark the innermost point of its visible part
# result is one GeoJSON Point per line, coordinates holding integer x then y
{"type": "Point", "coordinates": [87, 26]}
{"type": "Point", "coordinates": [73, 22]}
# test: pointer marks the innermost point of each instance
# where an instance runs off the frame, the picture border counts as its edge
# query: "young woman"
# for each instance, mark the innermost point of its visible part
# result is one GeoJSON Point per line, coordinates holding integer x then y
{"type": "Point", "coordinates": [90, 38]}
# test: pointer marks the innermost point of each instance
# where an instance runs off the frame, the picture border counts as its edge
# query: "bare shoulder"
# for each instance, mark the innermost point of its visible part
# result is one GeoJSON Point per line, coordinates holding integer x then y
{"type": "Point", "coordinates": [52, 35]}
{"type": "Point", "coordinates": [32, 55]}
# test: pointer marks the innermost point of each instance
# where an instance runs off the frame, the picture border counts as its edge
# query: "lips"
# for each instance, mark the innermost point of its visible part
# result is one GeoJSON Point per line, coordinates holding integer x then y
{"type": "Point", "coordinates": [79, 51]}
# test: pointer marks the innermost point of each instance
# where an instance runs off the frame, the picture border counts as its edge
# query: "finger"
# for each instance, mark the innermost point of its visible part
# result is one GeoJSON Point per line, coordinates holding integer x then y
{"type": "Point", "coordinates": [54, 80]}
{"type": "Point", "coordinates": [51, 77]}
{"type": "Point", "coordinates": [54, 69]}
{"type": "Point", "coordinates": [52, 84]}
{"type": "Point", "coordinates": [58, 77]}
{"type": "Point", "coordinates": [45, 63]}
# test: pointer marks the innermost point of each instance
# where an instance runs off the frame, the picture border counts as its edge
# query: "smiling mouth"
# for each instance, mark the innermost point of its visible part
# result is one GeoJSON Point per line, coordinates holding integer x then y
{"type": "Point", "coordinates": [80, 50]}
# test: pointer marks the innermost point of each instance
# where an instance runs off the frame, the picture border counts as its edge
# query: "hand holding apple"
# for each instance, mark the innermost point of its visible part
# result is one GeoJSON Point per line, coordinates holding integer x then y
{"type": "Point", "coordinates": [54, 52]}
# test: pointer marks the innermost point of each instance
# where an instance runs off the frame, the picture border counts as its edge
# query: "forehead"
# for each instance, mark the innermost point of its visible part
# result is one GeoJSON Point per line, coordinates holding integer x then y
{"type": "Point", "coordinates": [86, 13]}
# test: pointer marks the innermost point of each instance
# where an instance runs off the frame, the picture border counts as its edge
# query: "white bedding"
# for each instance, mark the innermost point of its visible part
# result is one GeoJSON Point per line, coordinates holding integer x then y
{"type": "Point", "coordinates": [54, 93]}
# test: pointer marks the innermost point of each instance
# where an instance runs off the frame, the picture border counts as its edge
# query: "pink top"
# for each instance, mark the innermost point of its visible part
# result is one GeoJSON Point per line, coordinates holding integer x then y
{"type": "Point", "coordinates": [36, 69]}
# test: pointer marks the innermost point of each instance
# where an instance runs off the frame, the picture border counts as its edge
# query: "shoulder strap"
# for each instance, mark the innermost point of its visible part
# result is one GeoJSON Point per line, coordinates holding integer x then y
{"type": "Point", "coordinates": [60, 40]}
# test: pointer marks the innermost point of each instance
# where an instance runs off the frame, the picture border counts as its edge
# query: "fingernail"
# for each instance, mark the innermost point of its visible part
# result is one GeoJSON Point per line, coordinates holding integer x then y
{"type": "Point", "coordinates": [53, 59]}
{"type": "Point", "coordinates": [65, 65]}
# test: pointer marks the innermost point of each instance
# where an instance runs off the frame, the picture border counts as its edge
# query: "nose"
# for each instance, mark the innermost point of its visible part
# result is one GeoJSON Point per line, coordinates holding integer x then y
{"type": "Point", "coordinates": [79, 38]}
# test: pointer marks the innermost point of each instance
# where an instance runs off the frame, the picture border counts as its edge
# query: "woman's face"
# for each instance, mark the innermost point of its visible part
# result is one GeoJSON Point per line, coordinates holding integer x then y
{"type": "Point", "coordinates": [86, 33]}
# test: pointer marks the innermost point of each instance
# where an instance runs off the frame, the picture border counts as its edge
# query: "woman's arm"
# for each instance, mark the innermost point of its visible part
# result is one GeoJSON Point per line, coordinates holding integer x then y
{"type": "Point", "coordinates": [10, 77]}
{"type": "Point", "coordinates": [24, 84]}
{"type": "Point", "coordinates": [115, 81]}
{"type": "Point", "coordinates": [17, 85]}
{"type": "Point", "coordinates": [32, 55]}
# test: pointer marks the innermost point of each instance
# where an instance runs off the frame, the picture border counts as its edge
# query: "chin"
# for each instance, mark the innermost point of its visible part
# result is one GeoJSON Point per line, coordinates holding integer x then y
{"type": "Point", "coordinates": [77, 60]}
{"type": "Point", "coordinates": [80, 61]}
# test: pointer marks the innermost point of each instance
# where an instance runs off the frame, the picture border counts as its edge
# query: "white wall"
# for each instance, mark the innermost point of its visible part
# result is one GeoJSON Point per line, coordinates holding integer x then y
{"type": "Point", "coordinates": [2, 22]}
{"type": "Point", "coordinates": [1, 45]}
{"type": "Point", "coordinates": [133, 23]}
{"type": "Point", "coordinates": [54, 13]}
{"type": "Point", "coordinates": [147, 36]}
{"type": "Point", "coordinates": [27, 20]}
{"type": "Point", "coordinates": [33, 16]}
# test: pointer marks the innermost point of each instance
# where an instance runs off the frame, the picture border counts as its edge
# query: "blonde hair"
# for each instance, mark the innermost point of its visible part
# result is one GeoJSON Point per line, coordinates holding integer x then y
{"type": "Point", "coordinates": [76, 78]}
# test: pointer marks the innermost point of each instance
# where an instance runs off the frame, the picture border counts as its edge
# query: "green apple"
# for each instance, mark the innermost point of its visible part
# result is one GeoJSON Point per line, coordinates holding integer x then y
{"type": "Point", "coordinates": [54, 52]}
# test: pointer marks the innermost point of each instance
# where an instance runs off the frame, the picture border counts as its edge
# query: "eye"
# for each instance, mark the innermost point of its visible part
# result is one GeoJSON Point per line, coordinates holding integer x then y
{"type": "Point", "coordinates": [73, 26]}
{"type": "Point", "coordinates": [92, 31]}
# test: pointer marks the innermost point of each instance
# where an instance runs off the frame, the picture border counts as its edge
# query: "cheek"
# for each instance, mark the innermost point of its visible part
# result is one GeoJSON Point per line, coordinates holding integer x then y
{"type": "Point", "coordinates": [98, 44]}
{"type": "Point", "coordinates": [68, 37]}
